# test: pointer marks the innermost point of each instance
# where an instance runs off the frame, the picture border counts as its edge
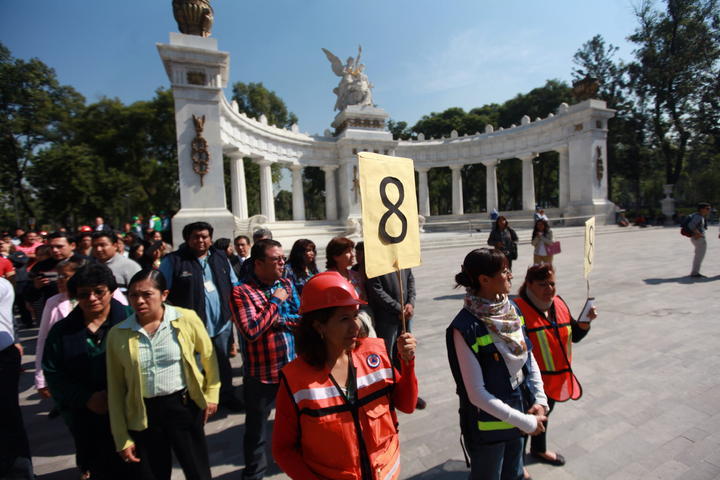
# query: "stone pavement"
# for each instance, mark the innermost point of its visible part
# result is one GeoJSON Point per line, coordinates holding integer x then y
{"type": "Point", "coordinates": [648, 369]}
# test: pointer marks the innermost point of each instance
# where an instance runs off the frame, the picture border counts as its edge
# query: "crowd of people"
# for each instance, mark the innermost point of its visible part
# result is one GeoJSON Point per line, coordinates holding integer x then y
{"type": "Point", "coordinates": [135, 342]}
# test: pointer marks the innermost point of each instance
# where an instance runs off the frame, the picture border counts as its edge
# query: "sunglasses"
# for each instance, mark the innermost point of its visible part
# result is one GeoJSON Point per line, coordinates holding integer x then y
{"type": "Point", "coordinates": [98, 292]}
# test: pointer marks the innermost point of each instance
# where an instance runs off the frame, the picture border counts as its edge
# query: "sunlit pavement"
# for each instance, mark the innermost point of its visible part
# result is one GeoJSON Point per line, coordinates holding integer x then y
{"type": "Point", "coordinates": [648, 368]}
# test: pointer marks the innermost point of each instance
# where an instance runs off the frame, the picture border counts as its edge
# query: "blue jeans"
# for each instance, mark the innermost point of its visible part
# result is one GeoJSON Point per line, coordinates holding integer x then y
{"type": "Point", "coordinates": [221, 342]}
{"type": "Point", "coordinates": [496, 461]}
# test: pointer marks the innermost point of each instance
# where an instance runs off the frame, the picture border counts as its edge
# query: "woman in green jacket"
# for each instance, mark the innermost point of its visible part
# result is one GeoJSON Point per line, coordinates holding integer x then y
{"type": "Point", "coordinates": [159, 399]}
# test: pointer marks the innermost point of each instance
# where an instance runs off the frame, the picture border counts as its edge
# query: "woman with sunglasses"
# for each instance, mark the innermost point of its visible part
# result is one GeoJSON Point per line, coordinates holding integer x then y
{"type": "Point", "coordinates": [160, 397]}
{"type": "Point", "coordinates": [497, 378]}
{"type": "Point", "coordinates": [75, 371]}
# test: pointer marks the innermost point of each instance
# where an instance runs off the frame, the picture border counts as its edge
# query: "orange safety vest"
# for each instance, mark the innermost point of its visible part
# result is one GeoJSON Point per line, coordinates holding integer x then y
{"type": "Point", "coordinates": [552, 347]}
{"type": "Point", "coordinates": [336, 436]}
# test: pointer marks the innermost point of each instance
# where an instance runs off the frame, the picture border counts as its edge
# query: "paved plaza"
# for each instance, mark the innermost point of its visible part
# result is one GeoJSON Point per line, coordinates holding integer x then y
{"type": "Point", "coordinates": [648, 368]}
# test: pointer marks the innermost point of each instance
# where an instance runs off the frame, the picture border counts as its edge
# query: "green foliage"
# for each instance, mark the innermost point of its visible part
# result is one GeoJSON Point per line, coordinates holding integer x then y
{"type": "Point", "coordinates": [255, 100]}
{"type": "Point", "coordinates": [314, 191]}
{"type": "Point", "coordinates": [34, 112]}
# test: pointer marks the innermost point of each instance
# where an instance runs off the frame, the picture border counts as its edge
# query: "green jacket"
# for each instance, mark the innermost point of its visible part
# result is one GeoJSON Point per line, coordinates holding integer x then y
{"type": "Point", "coordinates": [74, 365]}
{"type": "Point", "coordinates": [125, 385]}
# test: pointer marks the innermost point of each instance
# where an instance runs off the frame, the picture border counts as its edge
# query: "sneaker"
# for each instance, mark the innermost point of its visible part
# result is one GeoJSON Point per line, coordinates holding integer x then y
{"type": "Point", "coordinates": [421, 404]}
{"type": "Point", "coordinates": [697, 275]}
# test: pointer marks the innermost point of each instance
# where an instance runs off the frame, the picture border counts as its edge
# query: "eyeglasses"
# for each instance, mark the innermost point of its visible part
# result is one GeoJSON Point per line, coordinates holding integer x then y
{"type": "Point", "coordinates": [278, 259]}
{"type": "Point", "coordinates": [98, 292]}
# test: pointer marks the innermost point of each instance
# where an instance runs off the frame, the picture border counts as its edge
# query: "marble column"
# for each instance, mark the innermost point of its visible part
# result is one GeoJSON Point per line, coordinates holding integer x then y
{"type": "Point", "coordinates": [237, 186]}
{"type": "Point", "coordinates": [528, 182]}
{"type": "Point", "coordinates": [423, 192]}
{"type": "Point", "coordinates": [298, 197]}
{"type": "Point", "coordinates": [457, 193]}
{"type": "Point", "coordinates": [563, 176]}
{"type": "Point", "coordinates": [491, 190]}
{"type": "Point", "coordinates": [330, 192]}
{"type": "Point", "coordinates": [267, 201]}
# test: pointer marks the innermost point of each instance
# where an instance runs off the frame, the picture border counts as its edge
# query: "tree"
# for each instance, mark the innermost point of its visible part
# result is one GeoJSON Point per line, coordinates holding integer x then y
{"type": "Point", "coordinates": [255, 100]}
{"type": "Point", "coordinates": [34, 112]}
{"type": "Point", "coordinates": [675, 73]}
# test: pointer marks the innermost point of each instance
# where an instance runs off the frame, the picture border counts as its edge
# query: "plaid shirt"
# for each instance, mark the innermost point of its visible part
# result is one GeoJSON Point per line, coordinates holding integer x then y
{"type": "Point", "coordinates": [267, 327]}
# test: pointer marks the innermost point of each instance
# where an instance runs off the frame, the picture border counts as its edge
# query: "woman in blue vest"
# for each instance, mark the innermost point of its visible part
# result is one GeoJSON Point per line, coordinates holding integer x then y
{"type": "Point", "coordinates": [498, 382]}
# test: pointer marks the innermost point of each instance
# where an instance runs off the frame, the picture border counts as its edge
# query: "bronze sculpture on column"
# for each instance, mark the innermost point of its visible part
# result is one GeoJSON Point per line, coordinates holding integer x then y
{"type": "Point", "coordinates": [194, 17]}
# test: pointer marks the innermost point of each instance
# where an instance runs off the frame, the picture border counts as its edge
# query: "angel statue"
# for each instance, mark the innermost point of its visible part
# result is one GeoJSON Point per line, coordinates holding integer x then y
{"type": "Point", "coordinates": [354, 87]}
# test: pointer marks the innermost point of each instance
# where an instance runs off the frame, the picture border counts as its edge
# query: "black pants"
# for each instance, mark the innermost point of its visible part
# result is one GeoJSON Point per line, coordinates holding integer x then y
{"type": "Point", "coordinates": [259, 401]}
{"type": "Point", "coordinates": [538, 443]}
{"type": "Point", "coordinates": [175, 424]}
{"type": "Point", "coordinates": [13, 438]}
{"type": "Point", "coordinates": [95, 447]}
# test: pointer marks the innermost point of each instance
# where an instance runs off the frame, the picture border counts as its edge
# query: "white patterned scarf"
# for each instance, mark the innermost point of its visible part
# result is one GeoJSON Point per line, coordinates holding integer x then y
{"type": "Point", "coordinates": [505, 328]}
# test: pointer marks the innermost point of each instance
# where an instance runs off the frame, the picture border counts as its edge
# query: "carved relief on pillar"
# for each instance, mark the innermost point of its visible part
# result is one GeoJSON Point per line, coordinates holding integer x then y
{"type": "Point", "coordinates": [599, 167]}
{"type": "Point", "coordinates": [200, 155]}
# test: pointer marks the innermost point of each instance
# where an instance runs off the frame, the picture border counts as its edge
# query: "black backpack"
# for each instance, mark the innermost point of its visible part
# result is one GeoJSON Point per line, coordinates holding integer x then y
{"type": "Point", "coordinates": [684, 230]}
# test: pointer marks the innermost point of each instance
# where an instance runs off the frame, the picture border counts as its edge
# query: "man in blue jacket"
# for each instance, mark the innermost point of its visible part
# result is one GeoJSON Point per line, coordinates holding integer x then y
{"type": "Point", "coordinates": [200, 277]}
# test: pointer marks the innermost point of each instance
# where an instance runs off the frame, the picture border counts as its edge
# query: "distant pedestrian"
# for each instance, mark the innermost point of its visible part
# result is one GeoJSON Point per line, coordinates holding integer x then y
{"type": "Point", "coordinates": [698, 227]}
{"type": "Point", "coordinates": [542, 237]}
{"type": "Point", "coordinates": [504, 239]}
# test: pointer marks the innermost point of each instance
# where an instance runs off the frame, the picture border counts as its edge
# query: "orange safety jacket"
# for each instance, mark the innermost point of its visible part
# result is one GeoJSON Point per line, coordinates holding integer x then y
{"type": "Point", "coordinates": [553, 349]}
{"type": "Point", "coordinates": [339, 440]}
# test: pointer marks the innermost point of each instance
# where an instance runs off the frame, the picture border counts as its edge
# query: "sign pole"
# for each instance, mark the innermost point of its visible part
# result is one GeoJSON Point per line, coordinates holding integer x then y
{"type": "Point", "coordinates": [402, 301]}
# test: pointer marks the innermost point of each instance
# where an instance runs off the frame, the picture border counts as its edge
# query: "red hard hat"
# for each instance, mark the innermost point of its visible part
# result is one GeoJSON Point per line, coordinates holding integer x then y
{"type": "Point", "coordinates": [85, 228]}
{"type": "Point", "coordinates": [328, 289]}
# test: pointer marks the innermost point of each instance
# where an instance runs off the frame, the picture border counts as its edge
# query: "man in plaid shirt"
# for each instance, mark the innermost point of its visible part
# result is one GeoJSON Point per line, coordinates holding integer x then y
{"type": "Point", "coordinates": [265, 310]}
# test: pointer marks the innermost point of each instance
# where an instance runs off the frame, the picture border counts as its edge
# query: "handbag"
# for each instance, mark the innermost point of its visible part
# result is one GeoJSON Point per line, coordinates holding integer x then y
{"type": "Point", "coordinates": [553, 248]}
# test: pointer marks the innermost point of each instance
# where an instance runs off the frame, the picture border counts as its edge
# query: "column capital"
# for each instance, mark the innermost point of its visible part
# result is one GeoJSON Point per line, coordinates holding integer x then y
{"type": "Point", "coordinates": [329, 168]}
{"type": "Point", "coordinates": [262, 162]}
{"type": "Point", "coordinates": [295, 167]}
{"type": "Point", "coordinates": [422, 169]}
{"type": "Point", "coordinates": [562, 149]}
{"type": "Point", "coordinates": [490, 163]}
{"type": "Point", "coordinates": [529, 157]}
{"type": "Point", "coordinates": [456, 167]}
{"type": "Point", "coordinates": [233, 152]}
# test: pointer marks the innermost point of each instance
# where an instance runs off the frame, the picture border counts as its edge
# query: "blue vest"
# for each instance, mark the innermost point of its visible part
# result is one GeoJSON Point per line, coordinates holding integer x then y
{"type": "Point", "coordinates": [476, 425]}
{"type": "Point", "coordinates": [188, 288]}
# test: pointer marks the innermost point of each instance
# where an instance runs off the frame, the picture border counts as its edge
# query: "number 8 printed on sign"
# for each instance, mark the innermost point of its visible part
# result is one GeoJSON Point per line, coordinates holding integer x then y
{"type": "Point", "coordinates": [389, 213]}
{"type": "Point", "coordinates": [393, 209]}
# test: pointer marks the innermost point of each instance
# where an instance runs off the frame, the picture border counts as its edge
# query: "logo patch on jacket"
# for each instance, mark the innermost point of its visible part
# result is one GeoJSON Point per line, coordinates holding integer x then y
{"type": "Point", "coordinates": [373, 360]}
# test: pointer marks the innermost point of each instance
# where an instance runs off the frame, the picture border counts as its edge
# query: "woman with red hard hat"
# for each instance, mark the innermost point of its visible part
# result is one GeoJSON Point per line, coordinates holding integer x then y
{"type": "Point", "coordinates": [335, 408]}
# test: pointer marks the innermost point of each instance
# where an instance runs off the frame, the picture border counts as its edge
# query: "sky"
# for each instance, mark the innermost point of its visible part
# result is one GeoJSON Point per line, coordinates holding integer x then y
{"type": "Point", "coordinates": [422, 56]}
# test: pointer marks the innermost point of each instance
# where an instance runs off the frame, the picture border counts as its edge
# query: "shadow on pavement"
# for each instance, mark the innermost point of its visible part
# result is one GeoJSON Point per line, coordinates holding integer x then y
{"type": "Point", "coordinates": [450, 470]}
{"type": "Point", "coordinates": [458, 296]}
{"type": "Point", "coordinates": [687, 279]}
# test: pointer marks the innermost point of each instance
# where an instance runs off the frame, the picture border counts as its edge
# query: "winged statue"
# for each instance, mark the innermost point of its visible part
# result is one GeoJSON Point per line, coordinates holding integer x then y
{"type": "Point", "coordinates": [354, 87]}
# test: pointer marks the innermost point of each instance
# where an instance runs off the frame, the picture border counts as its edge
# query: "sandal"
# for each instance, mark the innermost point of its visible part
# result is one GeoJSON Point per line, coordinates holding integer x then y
{"type": "Point", "coordinates": [558, 461]}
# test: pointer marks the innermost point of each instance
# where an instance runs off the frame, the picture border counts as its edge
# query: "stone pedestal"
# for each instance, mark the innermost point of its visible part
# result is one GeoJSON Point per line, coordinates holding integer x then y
{"type": "Point", "coordinates": [668, 204]}
{"type": "Point", "coordinates": [198, 72]}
